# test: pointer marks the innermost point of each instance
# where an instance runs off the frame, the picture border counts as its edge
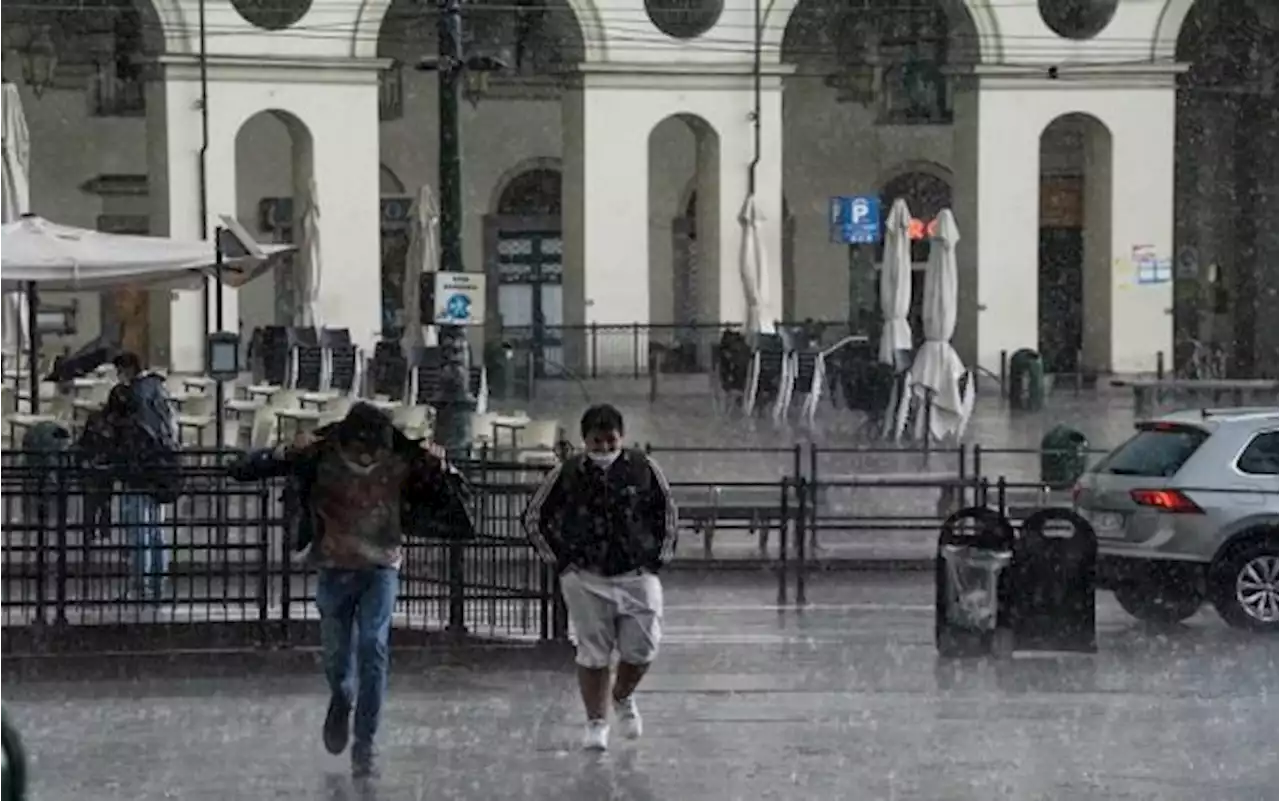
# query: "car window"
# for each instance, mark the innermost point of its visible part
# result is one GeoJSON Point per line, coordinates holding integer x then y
{"type": "Point", "coordinates": [1260, 457]}
{"type": "Point", "coordinates": [1158, 450]}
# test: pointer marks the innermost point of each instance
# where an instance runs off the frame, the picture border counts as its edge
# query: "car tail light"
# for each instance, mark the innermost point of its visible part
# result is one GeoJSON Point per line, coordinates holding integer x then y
{"type": "Point", "coordinates": [1171, 501]}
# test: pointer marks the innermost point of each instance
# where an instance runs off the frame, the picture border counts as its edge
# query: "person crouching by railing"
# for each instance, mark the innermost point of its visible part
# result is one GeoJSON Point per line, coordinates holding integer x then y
{"type": "Point", "coordinates": [359, 487]}
{"type": "Point", "coordinates": [117, 446]}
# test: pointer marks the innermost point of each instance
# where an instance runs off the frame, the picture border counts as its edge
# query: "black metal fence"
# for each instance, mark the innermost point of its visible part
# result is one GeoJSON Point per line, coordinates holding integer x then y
{"type": "Point", "coordinates": [79, 571]}
{"type": "Point", "coordinates": [73, 555]}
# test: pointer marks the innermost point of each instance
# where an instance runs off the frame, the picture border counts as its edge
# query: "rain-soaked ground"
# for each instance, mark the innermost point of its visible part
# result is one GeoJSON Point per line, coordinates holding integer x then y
{"type": "Point", "coordinates": [846, 700]}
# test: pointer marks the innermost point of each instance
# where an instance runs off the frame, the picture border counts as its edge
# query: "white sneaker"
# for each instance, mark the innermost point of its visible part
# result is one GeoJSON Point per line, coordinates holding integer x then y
{"type": "Point", "coordinates": [596, 736]}
{"type": "Point", "coordinates": [628, 716]}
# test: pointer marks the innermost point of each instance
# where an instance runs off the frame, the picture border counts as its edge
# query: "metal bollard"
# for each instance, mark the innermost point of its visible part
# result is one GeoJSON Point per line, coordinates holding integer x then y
{"type": "Point", "coordinates": [1004, 374]}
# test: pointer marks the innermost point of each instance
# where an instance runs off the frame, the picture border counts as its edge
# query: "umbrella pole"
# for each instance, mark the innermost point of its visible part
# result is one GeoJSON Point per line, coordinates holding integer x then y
{"type": "Point", "coordinates": [33, 346]}
{"type": "Point", "coordinates": [219, 391]}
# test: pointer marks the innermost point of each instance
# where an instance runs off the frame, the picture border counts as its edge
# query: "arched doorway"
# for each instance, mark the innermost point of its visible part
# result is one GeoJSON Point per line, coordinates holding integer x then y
{"type": "Point", "coordinates": [862, 70]}
{"type": "Point", "coordinates": [1074, 263]}
{"type": "Point", "coordinates": [926, 193]}
{"type": "Point", "coordinates": [684, 259]}
{"type": "Point", "coordinates": [1225, 191]}
{"type": "Point", "coordinates": [524, 261]}
{"type": "Point", "coordinates": [278, 200]}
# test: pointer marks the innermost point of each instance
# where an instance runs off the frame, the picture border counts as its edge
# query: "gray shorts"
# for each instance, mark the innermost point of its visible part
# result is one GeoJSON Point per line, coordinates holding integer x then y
{"type": "Point", "coordinates": [608, 613]}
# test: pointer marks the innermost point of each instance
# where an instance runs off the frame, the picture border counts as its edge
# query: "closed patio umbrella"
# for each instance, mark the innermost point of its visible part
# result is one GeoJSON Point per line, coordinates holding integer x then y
{"type": "Point", "coordinates": [17, 202]}
{"type": "Point", "coordinates": [937, 370]}
{"type": "Point", "coordinates": [895, 302]}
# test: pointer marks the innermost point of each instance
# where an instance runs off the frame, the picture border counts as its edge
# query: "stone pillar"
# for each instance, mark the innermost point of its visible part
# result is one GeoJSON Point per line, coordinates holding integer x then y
{"type": "Point", "coordinates": [345, 162]}
{"type": "Point", "coordinates": [1000, 116]}
{"type": "Point", "coordinates": [996, 199]}
{"type": "Point", "coordinates": [608, 117]}
{"type": "Point", "coordinates": [174, 166]}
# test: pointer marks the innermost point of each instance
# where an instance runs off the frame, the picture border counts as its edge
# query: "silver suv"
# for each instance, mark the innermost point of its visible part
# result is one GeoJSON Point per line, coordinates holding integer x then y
{"type": "Point", "coordinates": [1186, 511]}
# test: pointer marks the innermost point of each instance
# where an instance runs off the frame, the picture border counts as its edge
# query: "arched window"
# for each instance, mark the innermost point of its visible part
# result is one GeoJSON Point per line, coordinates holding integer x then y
{"type": "Point", "coordinates": [535, 193]}
{"type": "Point", "coordinates": [926, 195]}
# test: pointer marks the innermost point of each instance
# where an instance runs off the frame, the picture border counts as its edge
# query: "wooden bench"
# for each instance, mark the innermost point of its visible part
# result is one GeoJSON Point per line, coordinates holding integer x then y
{"type": "Point", "coordinates": [1147, 392]}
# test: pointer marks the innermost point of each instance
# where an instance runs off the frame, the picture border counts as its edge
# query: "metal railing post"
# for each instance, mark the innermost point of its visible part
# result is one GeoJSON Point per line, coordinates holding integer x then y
{"type": "Point", "coordinates": [457, 625]}
{"type": "Point", "coordinates": [785, 523]}
{"type": "Point", "coordinates": [802, 517]}
{"type": "Point", "coordinates": [60, 509]}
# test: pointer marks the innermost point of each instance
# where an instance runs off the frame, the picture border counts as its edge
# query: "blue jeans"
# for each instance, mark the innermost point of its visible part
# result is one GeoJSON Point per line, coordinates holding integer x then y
{"type": "Point", "coordinates": [355, 622]}
{"type": "Point", "coordinates": [140, 515]}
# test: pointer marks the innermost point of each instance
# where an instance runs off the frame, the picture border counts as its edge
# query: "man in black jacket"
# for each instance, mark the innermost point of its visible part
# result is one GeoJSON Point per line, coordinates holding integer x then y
{"type": "Point", "coordinates": [607, 521]}
{"type": "Point", "coordinates": [360, 488]}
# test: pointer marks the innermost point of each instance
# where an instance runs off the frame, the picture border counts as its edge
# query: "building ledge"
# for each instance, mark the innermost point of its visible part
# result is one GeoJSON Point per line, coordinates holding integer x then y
{"type": "Point", "coordinates": [1069, 76]}
{"type": "Point", "coordinates": [282, 69]}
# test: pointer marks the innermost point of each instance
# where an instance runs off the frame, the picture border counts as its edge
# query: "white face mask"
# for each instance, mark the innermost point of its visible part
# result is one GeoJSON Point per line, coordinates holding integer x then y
{"type": "Point", "coordinates": [603, 460]}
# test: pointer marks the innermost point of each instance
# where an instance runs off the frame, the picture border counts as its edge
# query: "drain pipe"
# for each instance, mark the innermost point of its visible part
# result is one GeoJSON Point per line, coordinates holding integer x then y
{"type": "Point", "coordinates": [203, 167]}
{"type": "Point", "coordinates": [755, 113]}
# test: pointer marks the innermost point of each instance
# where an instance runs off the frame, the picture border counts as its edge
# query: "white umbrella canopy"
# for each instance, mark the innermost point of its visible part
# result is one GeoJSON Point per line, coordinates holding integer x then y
{"type": "Point", "coordinates": [421, 259]}
{"type": "Point", "coordinates": [17, 202]}
{"type": "Point", "coordinates": [753, 266]}
{"type": "Point", "coordinates": [63, 258]}
{"type": "Point", "coordinates": [937, 370]}
{"type": "Point", "coordinates": [895, 284]}
{"type": "Point", "coordinates": [311, 259]}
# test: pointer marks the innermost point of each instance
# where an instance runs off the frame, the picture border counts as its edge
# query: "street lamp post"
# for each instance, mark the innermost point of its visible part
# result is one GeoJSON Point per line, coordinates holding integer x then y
{"type": "Point", "coordinates": [455, 403]}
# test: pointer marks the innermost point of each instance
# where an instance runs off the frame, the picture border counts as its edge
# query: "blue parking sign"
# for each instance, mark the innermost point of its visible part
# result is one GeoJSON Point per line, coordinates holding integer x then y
{"type": "Point", "coordinates": [855, 219]}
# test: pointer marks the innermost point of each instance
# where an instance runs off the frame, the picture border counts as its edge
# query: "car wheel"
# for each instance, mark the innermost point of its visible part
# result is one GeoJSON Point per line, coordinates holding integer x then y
{"type": "Point", "coordinates": [1246, 586]}
{"type": "Point", "coordinates": [15, 764]}
{"type": "Point", "coordinates": [1156, 604]}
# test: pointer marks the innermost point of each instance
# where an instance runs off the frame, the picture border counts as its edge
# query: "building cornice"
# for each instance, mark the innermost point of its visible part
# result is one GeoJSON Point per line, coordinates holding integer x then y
{"type": "Point", "coordinates": [284, 69]}
{"type": "Point", "coordinates": [684, 75]}
{"type": "Point", "coordinates": [1066, 77]}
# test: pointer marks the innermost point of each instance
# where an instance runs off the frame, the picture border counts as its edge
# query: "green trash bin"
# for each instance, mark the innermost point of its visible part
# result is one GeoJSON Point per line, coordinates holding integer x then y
{"type": "Point", "coordinates": [1026, 380]}
{"type": "Point", "coordinates": [1064, 456]}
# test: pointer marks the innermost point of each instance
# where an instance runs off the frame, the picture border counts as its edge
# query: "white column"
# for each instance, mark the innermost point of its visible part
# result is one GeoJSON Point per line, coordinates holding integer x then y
{"type": "Point", "coordinates": [996, 199]}
{"type": "Point", "coordinates": [606, 225]}
{"type": "Point", "coordinates": [174, 135]}
{"type": "Point", "coordinates": [737, 149]}
{"type": "Point", "coordinates": [345, 161]}
{"type": "Point", "coordinates": [1142, 136]}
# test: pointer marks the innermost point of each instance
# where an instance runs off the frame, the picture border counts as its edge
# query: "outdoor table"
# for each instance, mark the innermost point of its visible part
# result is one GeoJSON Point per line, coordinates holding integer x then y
{"type": "Point", "coordinates": [198, 382]}
{"type": "Point", "coordinates": [19, 420]}
{"type": "Point", "coordinates": [199, 422]}
{"type": "Point", "coordinates": [239, 406]}
{"type": "Point", "coordinates": [510, 423]}
{"type": "Point", "coordinates": [303, 420]}
{"type": "Point", "coordinates": [317, 399]}
{"type": "Point", "coordinates": [263, 391]}
{"type": "Point", "coordinates": [382, 404]}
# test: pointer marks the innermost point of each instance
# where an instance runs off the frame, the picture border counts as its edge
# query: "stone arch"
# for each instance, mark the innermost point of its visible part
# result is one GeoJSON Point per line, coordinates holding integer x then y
{"type": "Point", "coordinates": [919, 166]}
{"type": "Point", "coordinates": [978, 15]}
{"type": "Point", "coordinates": [509, 177]}
{"type": "Point", "coordinates": [280, 305]}
{"type": "Point", "coordinates": [1074, 272]}
{"type": "Point", "coordinates": [388, 182]}
{"type": "Point", "coordinates": [372, 13]}
{"type": "Point", "coordinates": [1168, 25]}
{"type": "Point", "coordinates": [684, 253]}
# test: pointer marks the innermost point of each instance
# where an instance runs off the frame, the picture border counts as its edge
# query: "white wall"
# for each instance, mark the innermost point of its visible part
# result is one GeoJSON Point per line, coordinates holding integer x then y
{"type": "Point", "coordinates": [1000, 258]}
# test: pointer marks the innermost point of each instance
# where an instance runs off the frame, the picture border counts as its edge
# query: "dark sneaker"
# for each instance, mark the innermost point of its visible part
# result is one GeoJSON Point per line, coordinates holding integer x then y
{"type": "Point", "coordinates": [337, 728]}
{"type": "Point", "coordinates": [364, 762]}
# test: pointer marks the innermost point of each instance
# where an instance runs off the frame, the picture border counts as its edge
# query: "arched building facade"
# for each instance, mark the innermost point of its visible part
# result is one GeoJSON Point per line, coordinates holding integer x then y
{"type": "Point", "coordinates": [1055, 134]}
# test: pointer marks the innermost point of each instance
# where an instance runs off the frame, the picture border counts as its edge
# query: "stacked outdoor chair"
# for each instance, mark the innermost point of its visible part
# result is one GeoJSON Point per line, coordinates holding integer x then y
{"type": "Point", "coordinates": [389, 373]}
{"type": "Point", "coordinates": [731, 361]}
{"type": "Point", "coordinates": [768, 375]}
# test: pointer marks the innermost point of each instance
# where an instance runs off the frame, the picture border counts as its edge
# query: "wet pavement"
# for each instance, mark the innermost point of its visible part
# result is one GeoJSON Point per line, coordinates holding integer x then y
{"type": "Point", "coordinates": [845, 700]}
